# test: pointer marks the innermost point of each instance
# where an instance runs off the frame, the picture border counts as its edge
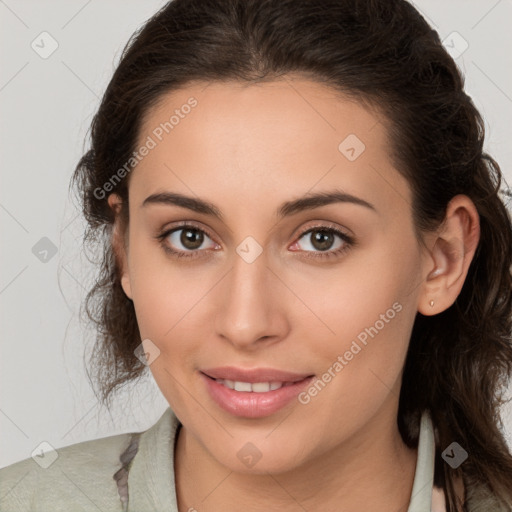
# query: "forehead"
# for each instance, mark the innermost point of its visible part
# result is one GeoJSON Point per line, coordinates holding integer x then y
{"type": "Point", "coordinates": [270, 139]}
{"type": "Point", "coordinates": [289, 106]}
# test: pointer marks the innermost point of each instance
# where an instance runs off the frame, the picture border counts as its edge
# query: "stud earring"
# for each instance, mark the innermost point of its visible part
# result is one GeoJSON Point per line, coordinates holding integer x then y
{"type": "Point", "coordinates": [431, 303]}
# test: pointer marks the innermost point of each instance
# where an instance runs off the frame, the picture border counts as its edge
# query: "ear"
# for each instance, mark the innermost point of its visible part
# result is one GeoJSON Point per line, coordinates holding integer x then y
{"type": "Point", "coordinates": [451, 251]}
{"type": "Point", "coordinates": [118, 244]}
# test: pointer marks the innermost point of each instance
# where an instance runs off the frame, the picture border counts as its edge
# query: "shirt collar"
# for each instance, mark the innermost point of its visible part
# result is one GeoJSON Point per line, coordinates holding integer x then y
{"type": "Point", "coordinates": [423, 486]}
{"type": "Point", "coordinates": [151, 475]}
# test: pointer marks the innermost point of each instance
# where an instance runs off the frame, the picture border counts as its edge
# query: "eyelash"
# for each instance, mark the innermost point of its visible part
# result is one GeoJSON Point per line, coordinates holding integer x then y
{"type": "Point", "coordinates": [348, 241]}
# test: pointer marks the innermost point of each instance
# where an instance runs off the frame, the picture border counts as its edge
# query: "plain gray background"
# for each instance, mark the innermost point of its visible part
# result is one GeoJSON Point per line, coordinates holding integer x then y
{"type": "Point", "coordinates": [46, 107]}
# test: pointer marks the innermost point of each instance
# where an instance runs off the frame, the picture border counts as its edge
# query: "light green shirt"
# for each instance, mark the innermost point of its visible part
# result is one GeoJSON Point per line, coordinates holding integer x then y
{"type": "Point", "coordinates": [82, 476]}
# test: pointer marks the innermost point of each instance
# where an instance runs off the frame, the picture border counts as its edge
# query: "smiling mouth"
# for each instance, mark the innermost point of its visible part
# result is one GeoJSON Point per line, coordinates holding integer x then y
{"type": "Point", "coordinates": [268, 391]}
{"type": "Point", "coordinates": [254, 387]}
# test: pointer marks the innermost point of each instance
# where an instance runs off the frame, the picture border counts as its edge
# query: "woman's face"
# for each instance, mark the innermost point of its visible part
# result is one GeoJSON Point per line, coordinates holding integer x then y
{"type": "Point", "coordinates": [254, 287]}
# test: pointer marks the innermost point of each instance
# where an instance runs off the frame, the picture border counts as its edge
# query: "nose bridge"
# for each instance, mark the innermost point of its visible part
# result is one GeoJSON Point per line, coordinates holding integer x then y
{"type": "Point", "coordinates": [246, 311]}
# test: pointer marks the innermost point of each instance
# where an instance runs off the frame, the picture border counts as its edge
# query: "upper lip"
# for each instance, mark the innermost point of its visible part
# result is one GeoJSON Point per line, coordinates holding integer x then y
{"type": "Point", "coordinates": [253, 375]}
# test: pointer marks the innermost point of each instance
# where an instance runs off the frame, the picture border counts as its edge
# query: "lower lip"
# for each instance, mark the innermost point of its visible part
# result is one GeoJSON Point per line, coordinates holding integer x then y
{"type": "Point", "coordinates": [248, 404]}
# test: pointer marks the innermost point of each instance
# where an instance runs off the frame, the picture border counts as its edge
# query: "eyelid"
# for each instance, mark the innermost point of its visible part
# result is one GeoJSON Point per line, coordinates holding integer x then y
{"type": "Point", "coordinates": [185, 224]}
{"type": "Point", "coordinates": [165, 232]}
{"type": "Point", "coordinates": [319, 224]}
{"type": "Point", "coordinates": [349, 241]}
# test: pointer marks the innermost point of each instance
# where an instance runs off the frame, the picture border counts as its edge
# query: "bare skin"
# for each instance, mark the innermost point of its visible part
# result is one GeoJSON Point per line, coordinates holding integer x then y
{"type": "Point", "coordinates": [247, 150]}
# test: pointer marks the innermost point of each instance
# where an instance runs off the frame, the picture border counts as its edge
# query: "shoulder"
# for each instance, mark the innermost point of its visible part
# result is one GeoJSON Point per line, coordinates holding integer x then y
{"type": "Point", "coordinates": [77, 477]}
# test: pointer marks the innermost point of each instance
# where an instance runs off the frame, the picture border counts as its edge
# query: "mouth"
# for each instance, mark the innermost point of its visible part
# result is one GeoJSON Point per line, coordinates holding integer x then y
{"type": "Point", "coordinates": [253, 393]}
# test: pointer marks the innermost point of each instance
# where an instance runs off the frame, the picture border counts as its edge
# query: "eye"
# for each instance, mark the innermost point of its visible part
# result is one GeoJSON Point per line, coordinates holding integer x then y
{"type": "Point", "coordinates": [322, 239]}
{"type": "Point", "coordinates": [185, 241]}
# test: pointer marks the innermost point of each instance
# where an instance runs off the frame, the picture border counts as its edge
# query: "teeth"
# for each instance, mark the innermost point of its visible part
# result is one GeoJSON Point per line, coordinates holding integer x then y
{"type": "Point", "coordinates": [256, 387]}
{"type": "Point", "coordinates": [261, 387]}
{"type": "Point", "coordinates": [228, 383]}
{"type": "Point", "coordinates": [242, 386]}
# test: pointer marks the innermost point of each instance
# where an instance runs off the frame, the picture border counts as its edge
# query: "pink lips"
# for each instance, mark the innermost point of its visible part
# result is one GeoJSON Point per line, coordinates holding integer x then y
{"type": "Point", "coordinates": [250, 404]}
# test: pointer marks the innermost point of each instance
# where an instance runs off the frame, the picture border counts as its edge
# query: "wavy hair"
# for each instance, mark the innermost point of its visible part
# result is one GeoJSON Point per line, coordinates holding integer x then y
{"type": "Point", "coordinates": [380, 52]}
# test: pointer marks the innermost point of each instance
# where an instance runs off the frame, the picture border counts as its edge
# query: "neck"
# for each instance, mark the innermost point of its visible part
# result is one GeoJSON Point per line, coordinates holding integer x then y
{"type": "Point", "coordinates": [372, 471]}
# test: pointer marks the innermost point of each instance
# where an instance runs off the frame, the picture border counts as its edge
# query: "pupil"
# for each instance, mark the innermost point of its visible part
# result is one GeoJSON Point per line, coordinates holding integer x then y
{"type": "Point", "coordinates": [322, 240]}
{"type": "Point", "coordinates": [191, 239]}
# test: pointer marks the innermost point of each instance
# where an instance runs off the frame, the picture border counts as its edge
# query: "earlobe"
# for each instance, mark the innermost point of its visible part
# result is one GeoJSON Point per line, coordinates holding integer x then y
{"type": "Point", "coordinates": [120, 255]}
{"type": "Point", "coordinates": [452, 252]}
{"type": "Point", "coordinates": [115, 204]}
{"type": "Point", "coordinates": [125, 283]}
{"type": "Point", "coordinates": [436, 282]}
{"type": "Point", "coordinates": [123, 266]}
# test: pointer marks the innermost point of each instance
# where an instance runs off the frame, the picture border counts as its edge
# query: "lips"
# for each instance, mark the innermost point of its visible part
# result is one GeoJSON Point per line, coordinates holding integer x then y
{"type": "Point", "coordinates": [253, 393]}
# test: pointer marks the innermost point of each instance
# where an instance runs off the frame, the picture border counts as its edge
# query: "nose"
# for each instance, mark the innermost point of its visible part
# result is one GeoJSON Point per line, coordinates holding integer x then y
{"type": "Point", "coordinates": [250, 308]}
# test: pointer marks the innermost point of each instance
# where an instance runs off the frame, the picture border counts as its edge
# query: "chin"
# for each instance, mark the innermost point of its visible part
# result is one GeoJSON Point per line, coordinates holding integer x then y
{"type": "Point", "coordinates": [248, 459]}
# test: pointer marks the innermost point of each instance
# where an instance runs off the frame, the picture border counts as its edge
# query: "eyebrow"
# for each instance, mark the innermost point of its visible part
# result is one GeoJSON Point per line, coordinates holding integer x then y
{"type": "Point", "coordinates": [307, 202]}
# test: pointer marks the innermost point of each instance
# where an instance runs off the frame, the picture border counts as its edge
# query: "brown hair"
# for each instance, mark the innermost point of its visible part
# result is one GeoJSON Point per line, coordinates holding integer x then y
{"type": "Point", "coordinates": [381, 52]}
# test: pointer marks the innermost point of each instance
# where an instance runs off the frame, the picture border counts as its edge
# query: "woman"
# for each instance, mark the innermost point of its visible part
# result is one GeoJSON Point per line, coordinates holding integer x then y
{"type": "Point", "coordinates": [305, 243]}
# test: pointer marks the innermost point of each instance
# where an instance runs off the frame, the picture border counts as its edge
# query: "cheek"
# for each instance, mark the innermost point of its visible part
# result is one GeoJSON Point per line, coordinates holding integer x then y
{"type": "Point", "coordinates": [361, 369]}
{"type": "Point", "coordinates": [161, 293]}
{"type": "Point", "coordinates": [364, 292]}
{"type": "Point", "coordinates": [369, 309]}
